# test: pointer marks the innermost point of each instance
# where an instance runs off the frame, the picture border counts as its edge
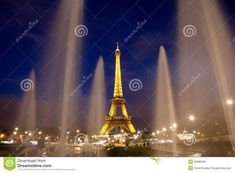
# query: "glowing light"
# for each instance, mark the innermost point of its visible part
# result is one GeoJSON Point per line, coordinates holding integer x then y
{"type": "Point", "coordinates": [68, 132]}
{"type": "Point", "coordinates": [153, 134]}
{"type": "Point", "coordinates": [30, 134]}
{"type": "Point", "coordinates": [191, 117]}
{"type": "Point", "coordinates": [14, 133]}
{"type": "Point", "coordinates": [16, 128]}
{"type": "Point", "coordinates": [229, 102]}
{"type": "Point", "coordinates": [26, 132]}
{"type": "Point", "coordinates": [158, 132]}
{"type": "Point", "coordinates": [2, 136]}
{"type": "Point", "coordinates": [77, 130]}
{"type": "Point", "coordinates": [34, 142]}
{"type": "Point", "coordinates": [174, 125]}
{"type": "Point", "coordinates": [164, 129]}
{"type": "Point", "coordinates": [39, 132]}
{"type": "Point", "coordinates": [194, 132]}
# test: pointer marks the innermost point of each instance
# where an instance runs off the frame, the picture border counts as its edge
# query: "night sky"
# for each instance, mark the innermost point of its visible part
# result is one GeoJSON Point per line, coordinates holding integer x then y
{"type": "Point", "coordinates": [108, 21]}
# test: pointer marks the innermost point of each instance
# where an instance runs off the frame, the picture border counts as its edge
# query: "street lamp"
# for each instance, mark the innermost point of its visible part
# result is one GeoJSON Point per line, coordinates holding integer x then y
{"type": "Point", "coordinates": [164, 129]}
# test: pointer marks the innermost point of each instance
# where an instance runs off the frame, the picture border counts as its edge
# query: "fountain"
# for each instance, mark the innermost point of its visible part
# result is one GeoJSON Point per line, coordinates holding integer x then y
{"type": "Point", "coordinates": [69, 71]}
{"type": "Point", "coordinates": [27, 115]}
{"type": "Point", "coordinates": [97, 104]}
{"type": "Point", "coordinates": [205, 50]}
{"type": "Point", "coordinates": [165, 109]}
{"type": "Point", "coordinates": [61, 66]}
{"type": "Point", "coordinates": [222, 55]}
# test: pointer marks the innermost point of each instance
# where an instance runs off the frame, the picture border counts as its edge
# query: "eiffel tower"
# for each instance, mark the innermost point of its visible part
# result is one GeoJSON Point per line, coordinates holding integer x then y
{"type": "Point", "coordinates": [113, 120]}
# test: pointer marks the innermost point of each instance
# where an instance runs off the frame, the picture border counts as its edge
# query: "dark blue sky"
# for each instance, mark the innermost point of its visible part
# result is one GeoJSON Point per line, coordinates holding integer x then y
{"type": "Point", "coordinates": [108, 21]}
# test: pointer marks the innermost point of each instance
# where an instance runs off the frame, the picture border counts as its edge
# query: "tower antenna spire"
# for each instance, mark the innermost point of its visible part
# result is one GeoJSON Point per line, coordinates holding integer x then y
{"type": "Point", "coordinates": [117, 45]}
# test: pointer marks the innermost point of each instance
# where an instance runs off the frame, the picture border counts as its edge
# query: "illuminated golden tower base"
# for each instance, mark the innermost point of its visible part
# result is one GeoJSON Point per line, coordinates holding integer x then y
{"type": "Point", "coordinates": [113, 120]}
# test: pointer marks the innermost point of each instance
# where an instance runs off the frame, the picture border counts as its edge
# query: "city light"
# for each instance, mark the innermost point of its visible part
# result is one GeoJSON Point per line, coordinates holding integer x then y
{"type": "Point", "coordinates": [191, 117]}
{"type": "Point", "coordinates": [174, 125]}
{"type": "Point", "coordinates": [39, 132]}
{"type": "Point", "coordinates": [16, 128]}
{"type": "Point", "coordinates": [164, 129]}
{"type": "Point", "coordinates": [229, 102]}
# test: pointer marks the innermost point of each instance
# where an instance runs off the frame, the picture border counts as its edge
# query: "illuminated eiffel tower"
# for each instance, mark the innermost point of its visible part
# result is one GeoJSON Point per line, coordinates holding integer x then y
{"type": "Point", "coordinates": [113, 120]}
